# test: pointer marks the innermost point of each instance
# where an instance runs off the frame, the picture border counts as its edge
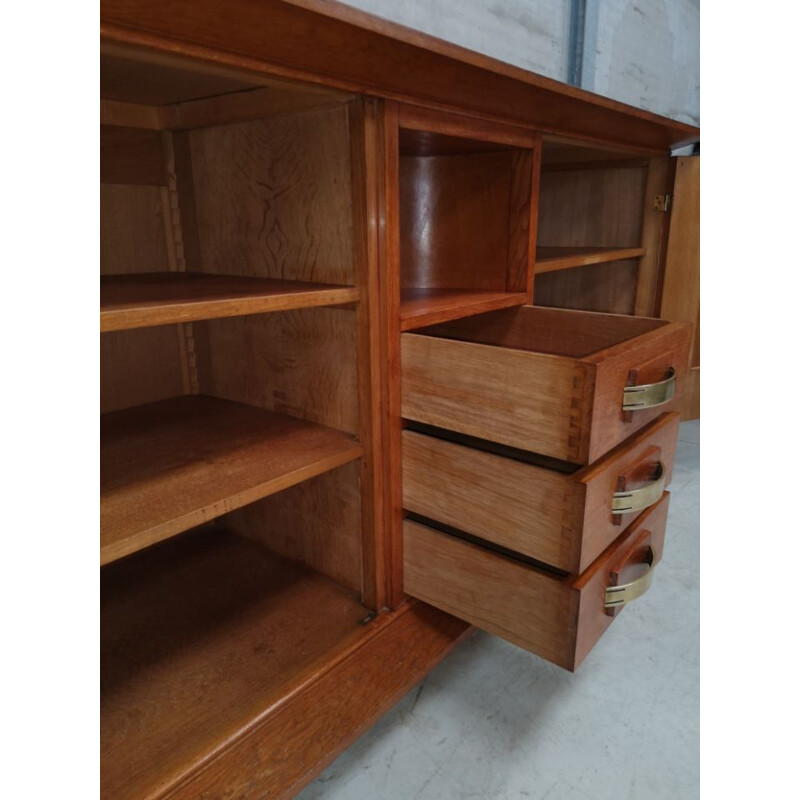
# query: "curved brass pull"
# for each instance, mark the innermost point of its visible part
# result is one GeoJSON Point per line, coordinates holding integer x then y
{"type": "Point", "coordinates": [650, 395]}
{"type": "Point", "coordinates": [640, 499]}
{"type": "Point", "coordinates": [618, 596]}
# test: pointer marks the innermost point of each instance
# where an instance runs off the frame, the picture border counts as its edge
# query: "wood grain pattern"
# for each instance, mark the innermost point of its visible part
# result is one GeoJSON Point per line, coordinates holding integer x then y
{"type": "Point", "coordinates": [312, 726]}
{"type": "Point", "coordinates": [464, 133]}
{"type": "Point", "coordinates": [308, 195]}
{"type": "Point", "coordinates": [366, 163]}
{"type": "Point", "coordinates": [132, 376]}
{"type": "Point", "coordinates": [201, 638]}
{"type": "Point", "coordinates": [169, 466]}
{"type": "Point", "coordinates": [130, 115]}
{"type": "Point", "coordinates": [544, 380]}
{"type": "Point", "coordinates": [608, 288]}
{"type": "Point", "coordinates": [302, 363]}
{"type": "Point", "coordinates": [551, 259]}
{"type": "Point", "coordinates": [256, 104]}
{"type": "Point", "coordinates": [316, 522]}
{"type": "Point", "coordinates": [136, 80]}
{"type": "Point", "coordinates": [601, 481]}
{"type": "Point", "coordinates": [565, 333]}
{"type": "Point", "coordinates": [531, 608]}
{"type": "Point", "coordinates": [651, 357]}
{"type": "Point", "coordinates": [680, 299]}
{"type": "Point", "coordinates": [131, 156]}
{"type": "Point", "coordinates": [183, 206]}
{"type": "Point", "coordinates": [390, 296]}
{"type": "Point", "coordinates": [559, 619]}
{"type": "Point", "coordinates": [655, 224]}
{"type": "Point", "coordinates": [328, 43]}
{"type": "Point", "coordinates": [533, 224]}
{"type": "Point", "coordinates": [140, 301]}
{"type": "Point", "coordinates": [421, 307]}
{"type": "Point", "coordinates": [591, 208]}
{"type": "Point", "coordinates": [454, 221]}
{"type": "Point", "coordinates": [162, 93]}
{"type": "Point", "coordinates": [529, 509]}
{"type": "Point", "coordinates": [522, 216]}
{"type": "Point", "coordinates": [560, 519]}
{"type": "Point", "coordinates": [273, 197]}
{"type": "Point", "coordinates": [689, 402]}
{"type": "Point", "coordinates": [133, 235]}
{"type": "Point", "coordinates": [592, 212]}
{"type": "Point", "coordinates": [567, 153]}
{"type": "Point", "coordinates": [532, 401]}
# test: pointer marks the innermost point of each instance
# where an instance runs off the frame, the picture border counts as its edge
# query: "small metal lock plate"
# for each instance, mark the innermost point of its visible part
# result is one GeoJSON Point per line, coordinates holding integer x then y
{"type": "Point", "coordinates": [662, 202]}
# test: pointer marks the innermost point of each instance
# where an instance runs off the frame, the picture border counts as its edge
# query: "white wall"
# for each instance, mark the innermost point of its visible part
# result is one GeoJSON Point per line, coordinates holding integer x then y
{"type": "Point", "coordinates": [642, 52]}
{"type": "Point", "coordinates": [646, 53]}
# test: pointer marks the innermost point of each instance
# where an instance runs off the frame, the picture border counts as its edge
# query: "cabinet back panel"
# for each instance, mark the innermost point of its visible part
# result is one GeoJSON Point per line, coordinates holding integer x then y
{"type": "Point", "coordinates": [317, 522]}
{"type": "Point", "coordinates": [142, 366]}
{"type": "Point", "coordinates": [591, 208]}
{"type": "Point", "coordinates": [132, 156]}
{"type": "Point", "coordinates": [301, 363]}
{"type": "Point", "coordinates": [273, 197]}
{"type": "Point", "coordinates": [600, 287]}
{"type": "Point", "coordinates": [132, 229]}
{"type": "Point", "coordinates": [454, 221]}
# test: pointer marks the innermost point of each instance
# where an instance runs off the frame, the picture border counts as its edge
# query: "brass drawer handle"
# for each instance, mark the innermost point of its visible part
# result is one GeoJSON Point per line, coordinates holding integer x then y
{"type": "Point", "coordinates": [618, 596]}
{"type": "Point", "coordinates": [649, 395]}
{"type": "Point", "coordinates": [640, 499]}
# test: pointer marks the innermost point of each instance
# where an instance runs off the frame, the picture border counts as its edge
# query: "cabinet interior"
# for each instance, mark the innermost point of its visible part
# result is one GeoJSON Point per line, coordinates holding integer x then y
{"type": "Point", "coordinates": [464, 232]}
{"type": "Point", "coordinates": [232, 490]}
{"type": "Point", "coordinates": [590, 237]}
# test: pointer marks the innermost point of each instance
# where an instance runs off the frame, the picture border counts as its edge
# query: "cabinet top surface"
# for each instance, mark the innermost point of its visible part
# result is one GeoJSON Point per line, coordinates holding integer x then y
{"type": "Point", "coordinates": [325, 42]}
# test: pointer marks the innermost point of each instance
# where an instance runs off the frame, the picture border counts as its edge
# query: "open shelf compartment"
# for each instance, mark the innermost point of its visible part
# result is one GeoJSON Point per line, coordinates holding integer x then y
{"type": "Point", "coordinates": [590, 233]}
{"type": "Point", "coordinates": [201, 637]}
{"type": "Point", "coordinates": [138, 301]}
{"type": "Point", "coordinates": [465, 205]}
{"type": "Point", "coordinates": [174, 464]}
{"type": "Point", "coordinates": [220, 197]}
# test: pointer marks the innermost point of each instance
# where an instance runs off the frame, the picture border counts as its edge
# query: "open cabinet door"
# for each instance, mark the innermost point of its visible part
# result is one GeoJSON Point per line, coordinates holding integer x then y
{"type": "Point", "coordinates": [680, 300]}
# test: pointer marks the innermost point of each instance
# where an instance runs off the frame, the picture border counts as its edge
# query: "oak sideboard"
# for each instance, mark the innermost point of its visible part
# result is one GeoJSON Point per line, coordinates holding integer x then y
{"type": "Point", "coordinates": [382, 360]}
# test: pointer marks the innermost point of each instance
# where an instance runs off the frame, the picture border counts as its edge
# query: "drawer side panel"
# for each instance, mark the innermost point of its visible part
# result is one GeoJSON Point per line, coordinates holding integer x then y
{"type": "Point", "coordinates": [525, 606]}
{"type": "Point", "coordinates": [526, 400]}
{"type": "Point", "coordinates": [529, 509]}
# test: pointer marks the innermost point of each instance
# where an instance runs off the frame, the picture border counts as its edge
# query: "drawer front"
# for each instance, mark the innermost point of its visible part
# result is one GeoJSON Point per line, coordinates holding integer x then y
{"type": "Point", "coordinates": [563, 520]}
{"type": "Point", "coordinates": [479, 379]}
{"type": "Point", "coordinates": [647, 378]}
{"type": "Point", "coordinates": [559, 619]}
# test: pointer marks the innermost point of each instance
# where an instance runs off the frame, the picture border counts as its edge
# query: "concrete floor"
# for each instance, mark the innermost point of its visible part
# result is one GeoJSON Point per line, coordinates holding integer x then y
{"type": "Point", "coordinates": [493, 721]}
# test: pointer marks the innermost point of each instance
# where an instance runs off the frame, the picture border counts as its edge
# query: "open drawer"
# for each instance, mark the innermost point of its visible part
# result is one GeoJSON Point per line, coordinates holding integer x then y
{"type": "Point", "coordinates": [559, 619]}
{"type": "Point", "coordinates": [566, 384]}
{"type": "Point", "coordinates": [562, 518]}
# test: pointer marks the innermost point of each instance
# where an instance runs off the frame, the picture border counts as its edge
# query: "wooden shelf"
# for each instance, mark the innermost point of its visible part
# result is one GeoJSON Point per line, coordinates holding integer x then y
{"type": "Point", "coordinates": [162, 298]}
{"type": "Point", "coordinates": [551, 259]}
{"type": "Point", "coordinates": [174, 464]}
{"type": "Point", "coordinates": [202, 636]}
{"type": "Point", "coordinates": [421, 307]}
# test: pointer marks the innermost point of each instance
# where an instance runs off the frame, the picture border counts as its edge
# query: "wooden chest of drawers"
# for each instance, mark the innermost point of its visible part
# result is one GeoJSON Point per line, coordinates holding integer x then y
{"type": "Point", "coordinates": [498, 405]}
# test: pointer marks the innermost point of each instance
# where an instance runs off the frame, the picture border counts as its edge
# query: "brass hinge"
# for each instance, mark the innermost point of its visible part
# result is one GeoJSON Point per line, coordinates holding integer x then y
{"type": "Point", "coordinates": [662, 202]}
